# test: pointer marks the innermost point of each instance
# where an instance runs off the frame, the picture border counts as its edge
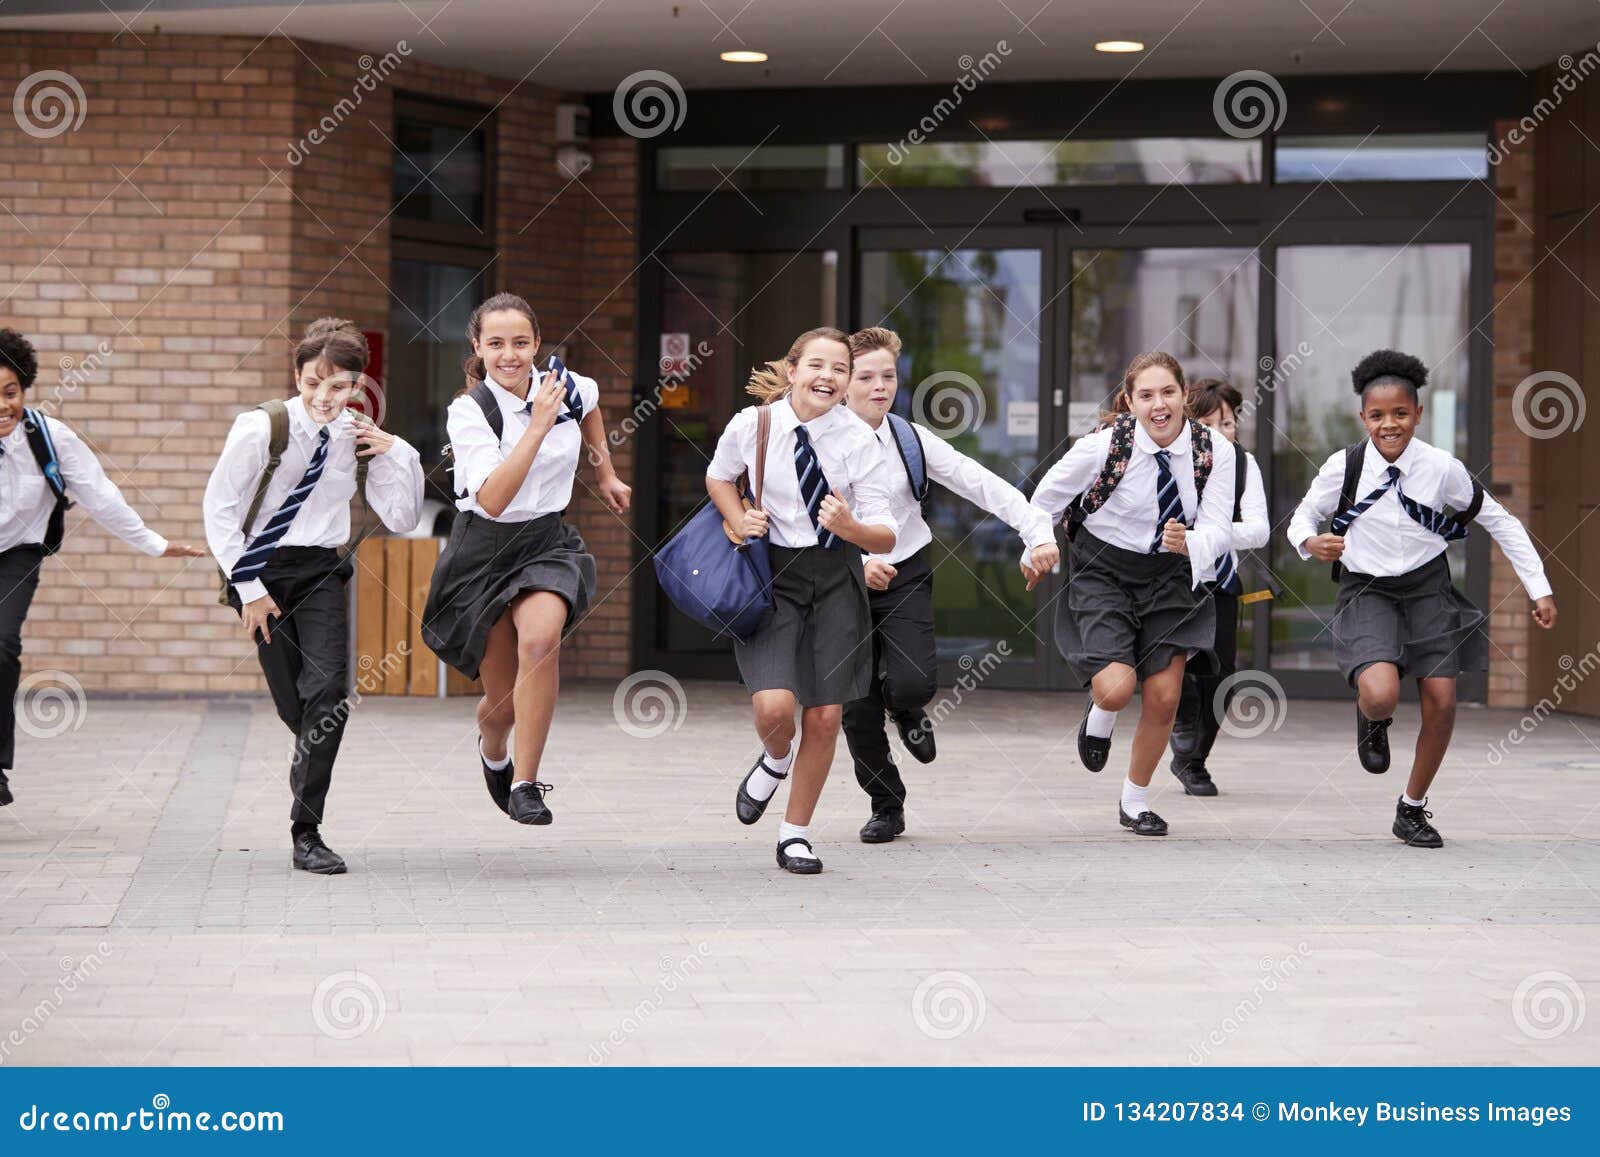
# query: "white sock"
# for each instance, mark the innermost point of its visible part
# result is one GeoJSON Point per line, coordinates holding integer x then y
{"type": "Point", "coordinates": [788, 831]}
{"type": "Point", "coordinates": [494, 764]}
{"type": "Point", "coordinates": [1406, 799]}
{"type": "Point", "coordinates": [1135, 799]}
{"type": "Point", "coordinates": [523, 785]}
{"type": "Point", "coordinates": [1101, 722]}
{"type": "Point", "coordinates": [762, 785]}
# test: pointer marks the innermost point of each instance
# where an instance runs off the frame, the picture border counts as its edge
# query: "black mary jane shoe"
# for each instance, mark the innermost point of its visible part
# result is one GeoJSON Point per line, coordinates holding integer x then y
{"type": "Point", "coordinates": [312, 855]}
{"type": "Point", "coordinates": [1412, 828]}
{"type": "Point", "coordinates": [5, 791]}
{"type": "Point", "coordinates": [884, 826]}
{"type": "Point", "coordinates": [498, 782]}
{"type": "Point", "coordinates": [746, 806]}
{"type": "Point", "coordinates": [527, 805]}
{"type": "Point", "coordinates": [799, 865]}
{"type": "Point", "coordinates": [1092, 751]}
{"type": "Point", "coordinates": [916, 732]}
{"type": "Point", "coordinates": [1372, 742]}
{"type": "Point", "coordinates": [1195, 778]}
{"type": "Point", "coordinates": [1147, 824]}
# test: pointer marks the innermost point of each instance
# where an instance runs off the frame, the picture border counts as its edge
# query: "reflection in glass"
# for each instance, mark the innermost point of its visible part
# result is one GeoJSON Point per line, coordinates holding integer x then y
{"type": "Point", "coordinates": [1335, 305]}
{"type": "Point", "coordinates": [439, 173]}
{"type": "Point", "coordinates": [686, 169]}
{"type": "Point", "coordinates": [1142, 161]}
{"type": "Point", "coordinates": [969, 371]}
{"type": "Point", "coordinates": [1398, 157]}
{"type": "Point", "coordinates": [727, 312]}
{"type": "Point", "coordinates": [427, 315]}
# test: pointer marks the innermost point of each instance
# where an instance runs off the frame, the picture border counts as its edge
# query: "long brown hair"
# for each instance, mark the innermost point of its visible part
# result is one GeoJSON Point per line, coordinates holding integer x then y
{"type": "Point", "coordinates": [473, 366]}
{"type": "Point", "coordinates": [1122, 401]}
{"type": "Point", "coordinates": [771, 382]}
{"type": "Point", "coordinates": [335, 340]}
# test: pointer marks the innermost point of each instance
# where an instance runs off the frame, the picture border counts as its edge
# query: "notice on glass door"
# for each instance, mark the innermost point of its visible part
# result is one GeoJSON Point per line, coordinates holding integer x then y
{"type": "Point", "coordinates": [1022, 419]}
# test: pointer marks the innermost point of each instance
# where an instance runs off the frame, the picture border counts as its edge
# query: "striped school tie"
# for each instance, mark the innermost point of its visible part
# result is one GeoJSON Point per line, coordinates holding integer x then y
{"type": "Point", "coordinates": [1341, 521]}
{"type": "Point", "coordinates": [813, 484]}
{"type": "Point", "coordinates": [254, 560]}
{"type": "Point", "coordinates": [1446, 526]}
{"type": "Point", "coordinates": [1169, 504]}
{"type": "Point", "coordinates": [574, 410]}
{"type": "Point", "coordinates": [1227, 574]}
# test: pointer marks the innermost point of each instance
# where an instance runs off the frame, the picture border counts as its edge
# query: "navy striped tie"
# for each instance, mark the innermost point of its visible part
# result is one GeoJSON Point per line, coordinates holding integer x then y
{"type": "Point", "coordinates": [1446, 526]}
{"type": "Point", "coordinates": [813, 484]}
{"type": "Point", "coordinates": [1227, 574]}
{"type": "Point", "coordinates": [574, 410]}
{"type": "Point", "coordinates": [1169, 504]}
{"type": "Point", "coordinates": [1342, 520]}
{"type": "Point", "coordinates": [254, 560]}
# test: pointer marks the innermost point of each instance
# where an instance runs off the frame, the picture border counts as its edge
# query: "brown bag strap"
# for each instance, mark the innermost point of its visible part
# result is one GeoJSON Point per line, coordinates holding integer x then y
{"type": "Point", "coordinates": [763, 432]}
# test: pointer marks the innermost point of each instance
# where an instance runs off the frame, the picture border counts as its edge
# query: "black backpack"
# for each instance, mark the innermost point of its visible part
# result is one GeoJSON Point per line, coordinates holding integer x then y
{"type": "Point", "coordinates": [1354, 457]}
{"type": "Point", "coordinates": [1117, 457]}
{"type": "Point", "coordinates": [44, 453]}
{"type": "Point", "coordinates": [481, 394]}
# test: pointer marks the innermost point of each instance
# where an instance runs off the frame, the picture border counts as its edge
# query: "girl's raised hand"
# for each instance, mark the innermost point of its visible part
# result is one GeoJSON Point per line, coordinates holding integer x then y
{"type": "Point", "coordinates": [548, 398]}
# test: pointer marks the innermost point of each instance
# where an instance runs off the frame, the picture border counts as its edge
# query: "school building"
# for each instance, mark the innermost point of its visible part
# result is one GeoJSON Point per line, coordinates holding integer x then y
{"type": "Point", "coordinates": [1266, 192]}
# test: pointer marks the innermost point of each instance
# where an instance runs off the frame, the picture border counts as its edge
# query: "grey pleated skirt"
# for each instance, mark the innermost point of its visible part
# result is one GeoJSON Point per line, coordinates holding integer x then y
{"type": "Point", "coordinates": [1418, 621]}
{"type": "Point", "coordinates": [817, 640]}
{"type": "Point", "coordinates": [1123, 606]}
{"type": "Point", "coordinates": [485, 565]}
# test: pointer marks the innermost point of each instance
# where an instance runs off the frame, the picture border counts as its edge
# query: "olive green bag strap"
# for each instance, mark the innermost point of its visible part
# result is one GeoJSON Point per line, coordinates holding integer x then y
{"type": "Point", "coordinates": [277, 442]}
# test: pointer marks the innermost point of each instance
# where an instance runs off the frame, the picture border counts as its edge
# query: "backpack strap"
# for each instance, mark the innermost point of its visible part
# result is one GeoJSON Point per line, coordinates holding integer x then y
{"type": "Point", "coordinates": [1204, 457]}
{"type": "Point", "coordinates": [909, 443]}
{"type": "Point", "coordinates": [1116, 465]}
{"type": "Point", "coordinates": [43, 447]}
{"type": "Point", "coordinates": [1241, 475]}
{"type": "Point", "coordinates": [277, 441]}
{"type": "Point", "coordinates": [485, 398]}
{"type": "Point", "coordinates": [763, 432]}
{"type": "Point", "coordinates": [1354, 457]}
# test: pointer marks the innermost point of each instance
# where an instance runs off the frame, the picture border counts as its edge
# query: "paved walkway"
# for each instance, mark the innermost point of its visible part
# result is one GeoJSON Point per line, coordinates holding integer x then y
{"type": "Point", "coordinates": [149, 914]}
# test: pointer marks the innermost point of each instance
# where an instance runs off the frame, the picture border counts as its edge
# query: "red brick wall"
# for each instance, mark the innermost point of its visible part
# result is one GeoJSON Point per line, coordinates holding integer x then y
{"type": "Point", "coordinates": [197, 272]}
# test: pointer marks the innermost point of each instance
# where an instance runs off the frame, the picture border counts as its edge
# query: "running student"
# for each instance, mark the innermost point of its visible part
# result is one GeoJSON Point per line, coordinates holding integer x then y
{"type": "Point", "coordinates": [904, 669]}
{"type": "Point", "coordinates": [1398, 614]}
{"type": "Point", "coordinates": [825, 500]}
{"type": "Point", "coordinates": [515, 577]}
{"type": "Point", "coordinates": [43, 466]}
{"type": "Point", "coordinates": [1141, 493]}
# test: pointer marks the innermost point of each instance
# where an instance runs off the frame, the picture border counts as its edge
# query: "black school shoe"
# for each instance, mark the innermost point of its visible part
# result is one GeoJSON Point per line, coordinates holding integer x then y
{"type": "Point", "coordinates": [498, 782]}
{"type": "Point", "coordinates": [1372, 742]}
{"type": "Point", "coordinates": [527, 805]}
{"type": "Point", "coordinates": [746, 806]}
{"type": "Point", "coordinates": [1185, 740]}
{"type": "Point", "coordinates": [1092, 751]}
{"type": "Point", "coordinates": [1148, 823]}
{"type": "Point", "coordinates": [799, 865]}
{"type": "Point", "coordinates": [1195, 778]}
{"type": "Point", "coordinates": [5, 791]}
{"type": "Point", "coordinates": [884, 826]}
{"type": "Point", "coordinates": [1411, 826]}
{"type": "Point", "coordinates": [916, 732]}
{"type": "Point", "coordinates": [312, 855]}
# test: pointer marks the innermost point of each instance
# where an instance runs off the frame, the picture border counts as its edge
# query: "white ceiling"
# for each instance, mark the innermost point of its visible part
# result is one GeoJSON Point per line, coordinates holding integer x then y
{"type": "Point", "coordinates": [590, 45]}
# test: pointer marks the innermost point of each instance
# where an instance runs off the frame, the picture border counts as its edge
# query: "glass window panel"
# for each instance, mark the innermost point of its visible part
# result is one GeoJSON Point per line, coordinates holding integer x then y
{"type": "Point", "coordinates": [1420, 157]}
{"type": "Point", "coordinates": [1144, 161]}
{"type": "Point", "coordinates": [770, 167]}
{"type": "Point", "coordinates": [427, 316]}
{"type": "Point", "coordinates": [732, 311]}
{"type": "Point", "coordinates": [439, 173]}
{"type": "Point", "coordinates": [1335, 304]}
{"type": "Point", "coordinates": [969, 321]}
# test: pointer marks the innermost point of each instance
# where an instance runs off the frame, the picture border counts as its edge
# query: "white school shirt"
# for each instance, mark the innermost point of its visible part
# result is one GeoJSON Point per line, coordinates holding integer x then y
{"type": "Point", "coordinates": [1254, 528]}
{"type": "Point", "coordinates": [547, 487]}
{"type": "Point", "coordinates": [394, 487]}
{"type": "Point", "coordinates": [954, 470]}
{"type": "Point", "coordinates": [848, 451]}
{"type": "Point", "coordinates": [1387, 541]}
{"type": "Point", "coordinates": [26, 499]}
{"type": "Point", "coordinates": [1128, 519]}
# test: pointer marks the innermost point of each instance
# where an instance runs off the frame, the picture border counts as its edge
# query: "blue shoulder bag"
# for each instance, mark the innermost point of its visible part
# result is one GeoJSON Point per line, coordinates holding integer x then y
{"type": "Point", "coordinates": [720, 580]}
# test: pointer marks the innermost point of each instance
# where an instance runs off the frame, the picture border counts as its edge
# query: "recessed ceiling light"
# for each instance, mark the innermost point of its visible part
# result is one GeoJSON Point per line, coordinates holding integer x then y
{"type": "Point", "coordinates": [742, 56]}
{"type": "Point", "coordinates": [1119, 46]}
